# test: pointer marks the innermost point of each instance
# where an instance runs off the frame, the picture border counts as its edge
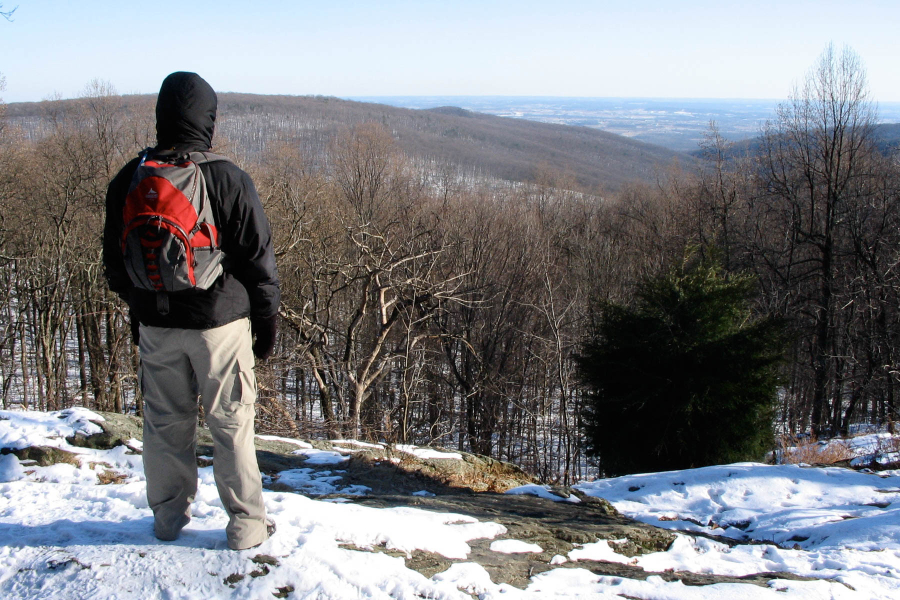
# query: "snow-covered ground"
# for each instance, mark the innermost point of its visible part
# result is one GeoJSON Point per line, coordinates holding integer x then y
{"type": "Point", "coordinates": [829, 523]}
{"type": "Point", "coordinates": [63, 534]}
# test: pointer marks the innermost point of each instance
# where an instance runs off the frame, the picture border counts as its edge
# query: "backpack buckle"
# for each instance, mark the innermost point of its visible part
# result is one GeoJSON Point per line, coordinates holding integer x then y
{"type": "Point", "coordinates": [162, 303]}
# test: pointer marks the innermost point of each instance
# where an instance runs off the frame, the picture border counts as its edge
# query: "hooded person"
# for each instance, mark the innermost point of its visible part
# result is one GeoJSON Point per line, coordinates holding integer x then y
{"type": "Point", "coordinates": [200, 341]}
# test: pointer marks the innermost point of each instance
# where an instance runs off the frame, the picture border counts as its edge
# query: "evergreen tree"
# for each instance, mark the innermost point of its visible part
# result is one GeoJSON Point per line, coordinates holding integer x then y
{"type": "Point", "coordinates": [684, 378]}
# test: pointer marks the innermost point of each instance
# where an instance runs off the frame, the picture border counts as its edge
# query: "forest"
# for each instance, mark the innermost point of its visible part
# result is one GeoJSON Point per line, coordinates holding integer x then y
{"type": "Point", "coordinates": [430, 299]}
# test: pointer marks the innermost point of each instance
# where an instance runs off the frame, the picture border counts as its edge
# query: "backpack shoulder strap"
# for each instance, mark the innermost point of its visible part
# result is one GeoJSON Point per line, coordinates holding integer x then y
{"type": "Point", "coordinates": [152, 153]}
{"type": "Point", "coordinates": [207, 157]}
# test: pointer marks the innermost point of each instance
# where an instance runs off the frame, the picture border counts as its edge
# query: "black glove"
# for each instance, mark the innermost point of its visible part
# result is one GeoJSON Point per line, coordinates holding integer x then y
{"type": "Point", "coordinates": [135, 329]}
{"type": "Point", "coordinates": [263, 329]}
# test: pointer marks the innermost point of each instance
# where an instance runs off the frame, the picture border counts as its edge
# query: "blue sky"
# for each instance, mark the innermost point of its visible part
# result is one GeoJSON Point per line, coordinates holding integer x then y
{"type": "Point", "coordinates": [650, 48]}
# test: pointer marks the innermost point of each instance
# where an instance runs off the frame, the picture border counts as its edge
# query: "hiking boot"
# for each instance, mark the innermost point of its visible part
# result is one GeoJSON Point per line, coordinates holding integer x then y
{"type": "Point", "coordinates": [270, 529]}
{"type": "Point", "coordinates": [170, 532]}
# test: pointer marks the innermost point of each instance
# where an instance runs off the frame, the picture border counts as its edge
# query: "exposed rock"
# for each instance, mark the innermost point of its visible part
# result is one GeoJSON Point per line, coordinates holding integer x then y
{"type": "Point", "coordinates": [44, 456]}
{"type": "Point", "coordinates": [385, 469]}
{"type": "Point", "coordinates": [117, 431]}
{"type": "Point", "coordinates": [557, 527]}
{"type": "Point", "coordinates": [601, 504]}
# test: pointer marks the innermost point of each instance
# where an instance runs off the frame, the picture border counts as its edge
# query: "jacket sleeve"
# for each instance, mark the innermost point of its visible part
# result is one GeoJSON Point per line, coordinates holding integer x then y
{"type": "Point", "coordinates": [250, 251]}
{"type": "Point", "coordinates": [113, 262]}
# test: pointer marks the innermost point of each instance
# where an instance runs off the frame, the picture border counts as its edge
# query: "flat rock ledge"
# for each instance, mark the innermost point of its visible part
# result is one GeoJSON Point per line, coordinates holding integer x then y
{"type": "Point", "coordinates": [470, 485]}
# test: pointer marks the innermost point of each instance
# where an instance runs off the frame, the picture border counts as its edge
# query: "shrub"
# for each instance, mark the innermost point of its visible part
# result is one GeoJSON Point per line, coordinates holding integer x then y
{"type": "Point", "coordinates": [809, 450]}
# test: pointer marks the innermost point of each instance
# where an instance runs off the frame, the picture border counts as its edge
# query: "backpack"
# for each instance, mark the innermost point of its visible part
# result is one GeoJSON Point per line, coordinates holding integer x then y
{"type": "Point", "coordinates": [169, 241]}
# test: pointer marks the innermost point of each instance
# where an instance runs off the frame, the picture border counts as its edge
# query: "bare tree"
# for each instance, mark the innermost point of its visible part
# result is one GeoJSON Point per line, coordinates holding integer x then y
{"type": "Point", "coordinates": [814, 157]}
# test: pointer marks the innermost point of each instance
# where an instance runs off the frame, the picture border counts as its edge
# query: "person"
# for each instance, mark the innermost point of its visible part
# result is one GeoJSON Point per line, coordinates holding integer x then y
{"type": "Point", "coordinates": [201, 341]}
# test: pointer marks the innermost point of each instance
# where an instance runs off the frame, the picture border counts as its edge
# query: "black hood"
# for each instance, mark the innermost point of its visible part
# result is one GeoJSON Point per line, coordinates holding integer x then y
{"type": "Point", "coordinates": [185, 112]}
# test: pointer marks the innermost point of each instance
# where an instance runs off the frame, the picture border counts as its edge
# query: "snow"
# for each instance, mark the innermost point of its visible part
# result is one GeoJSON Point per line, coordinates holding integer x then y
{"type": "Point", "coordinates": [515, 547]}
{"type": "Point", "coordinates": [783, 504]}
{"type": "Point", "coordinates": [886, 458]}
{"type": "Point", "coordinates": [358, 443]}
{"type": "Point", "coordinates": [472, 578]}
{"type": "Point", "coordinates": [542, 491]}
{"type": "Point", "coordinates": [427, 453]}
{"type": "Point", "coordinates": [879, 447]}
{"type": "Point", "coordinates": [317, 483]}
{"type": "Point", "coordinates": [870, 443]}
{"type": "Point", "coordinates": [341, 451]}
{"type": "Point", "coordinates": [598, 551]}
{"type": "Point", "coordinates": [22, 429]}
{"type": "Point", "coordinates": [286, 440]}
{"type": "Point", "coordinates": [831, 523]}
{"type": "Point", "coordinates": [65, 535]}
{"type": "Point", "coordinates": [322, 457]}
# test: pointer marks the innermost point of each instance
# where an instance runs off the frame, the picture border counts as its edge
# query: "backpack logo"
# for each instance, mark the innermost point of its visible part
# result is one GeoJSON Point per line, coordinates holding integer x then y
{"type": "Point", "coordinates": [170, 242]}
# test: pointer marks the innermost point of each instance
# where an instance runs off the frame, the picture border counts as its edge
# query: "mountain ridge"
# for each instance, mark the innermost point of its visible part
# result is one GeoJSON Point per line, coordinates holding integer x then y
{"type": "Point", "coordinates": [501, 147]}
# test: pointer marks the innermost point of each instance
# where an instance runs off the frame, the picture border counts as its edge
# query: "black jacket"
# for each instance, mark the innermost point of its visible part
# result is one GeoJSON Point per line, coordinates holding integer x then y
{"type": "Point", "coordinates": [185, 113]}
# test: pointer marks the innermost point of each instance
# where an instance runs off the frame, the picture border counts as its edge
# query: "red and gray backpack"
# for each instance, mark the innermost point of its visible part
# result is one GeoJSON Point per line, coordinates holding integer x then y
{"type": "Point", "coordinates": [170, 242]}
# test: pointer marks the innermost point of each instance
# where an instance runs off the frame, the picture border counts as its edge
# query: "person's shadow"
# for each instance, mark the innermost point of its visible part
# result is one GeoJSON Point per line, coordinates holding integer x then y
{"type": "Point", "coordinates": [131, 532]}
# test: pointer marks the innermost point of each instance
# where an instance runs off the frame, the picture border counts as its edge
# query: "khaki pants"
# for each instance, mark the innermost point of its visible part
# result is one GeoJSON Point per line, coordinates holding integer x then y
{"type": "Point", "coordinates": [176, 365]}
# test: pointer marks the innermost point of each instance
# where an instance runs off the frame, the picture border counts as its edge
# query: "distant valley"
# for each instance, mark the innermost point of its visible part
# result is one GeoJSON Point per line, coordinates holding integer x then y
{"type": "Point", "coordinates": [677, 124]}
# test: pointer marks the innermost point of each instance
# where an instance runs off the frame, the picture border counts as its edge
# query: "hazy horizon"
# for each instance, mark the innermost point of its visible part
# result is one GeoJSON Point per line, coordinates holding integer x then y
{"type": "Point", "coordinates": [353, 48]}
{"type": "Point", "coordinates": [679, 124]}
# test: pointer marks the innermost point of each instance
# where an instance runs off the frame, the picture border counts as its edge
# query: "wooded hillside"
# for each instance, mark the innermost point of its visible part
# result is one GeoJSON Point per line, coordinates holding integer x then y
{"type": "Point", "coordinates": [476, 144]}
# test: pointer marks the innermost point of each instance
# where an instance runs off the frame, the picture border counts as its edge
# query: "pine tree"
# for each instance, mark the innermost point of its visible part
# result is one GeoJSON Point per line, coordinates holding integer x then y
{"type": "Point", "coordinates": [684, 378]}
